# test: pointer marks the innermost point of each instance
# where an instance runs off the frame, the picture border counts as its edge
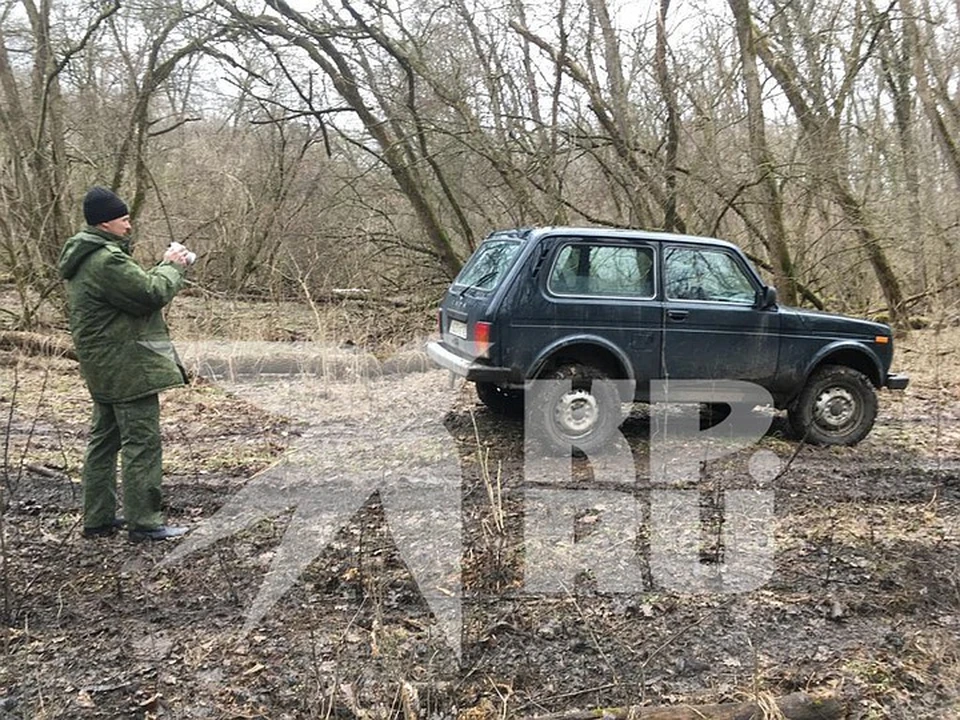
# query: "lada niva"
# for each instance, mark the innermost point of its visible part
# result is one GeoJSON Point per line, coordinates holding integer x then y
{"type": "Point", "coordinates": [590, 304]}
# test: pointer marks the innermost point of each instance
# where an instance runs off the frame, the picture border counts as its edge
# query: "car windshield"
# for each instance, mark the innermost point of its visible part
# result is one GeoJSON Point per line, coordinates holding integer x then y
{"type": "Point", "coordinates": [487, 266]}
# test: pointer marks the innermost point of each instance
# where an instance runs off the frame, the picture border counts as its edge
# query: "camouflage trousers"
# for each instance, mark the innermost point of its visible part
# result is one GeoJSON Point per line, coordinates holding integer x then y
{"type": "Point", "coordinates": [132, 430]}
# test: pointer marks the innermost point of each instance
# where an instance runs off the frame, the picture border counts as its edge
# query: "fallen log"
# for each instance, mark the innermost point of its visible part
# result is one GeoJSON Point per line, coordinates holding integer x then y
{"type": "Point", "coordinates": [36, 344]}
{"type": "Point", "coordinates": [796, 706]}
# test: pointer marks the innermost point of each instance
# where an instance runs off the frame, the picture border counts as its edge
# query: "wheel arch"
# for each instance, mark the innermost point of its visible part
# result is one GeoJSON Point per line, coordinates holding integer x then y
{"type": "Point", "coordinates": [852, 355]}
{"type": "Point", "coordinates": [585, 350]}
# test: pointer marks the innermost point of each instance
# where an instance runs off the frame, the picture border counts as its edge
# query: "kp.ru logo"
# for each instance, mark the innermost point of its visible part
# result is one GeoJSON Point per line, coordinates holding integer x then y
{"type": "Point", "coordinates": [381, 433]}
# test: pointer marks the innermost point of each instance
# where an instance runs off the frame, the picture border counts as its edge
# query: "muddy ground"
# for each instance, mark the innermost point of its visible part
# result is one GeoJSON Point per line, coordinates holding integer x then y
{"type": "Point", "coordinates": [335, 473]}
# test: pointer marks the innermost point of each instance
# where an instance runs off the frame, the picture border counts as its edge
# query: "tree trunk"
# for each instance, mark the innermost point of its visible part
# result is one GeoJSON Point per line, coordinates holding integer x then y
{"type": "Point", "coordinates": [896, 65]}
{"type": "Point", "coordinates": [36, 344]}
{"type": "Point", "coordinates": [671, 218]}
{"type": "Point", "coordinates": [822, 131]}
{"type": "Point", "coordinates": [395, 149]}
{"type": "Point", "coordinates": [941, 132]}
{"type": "Point", "coordinates": [772, 201]}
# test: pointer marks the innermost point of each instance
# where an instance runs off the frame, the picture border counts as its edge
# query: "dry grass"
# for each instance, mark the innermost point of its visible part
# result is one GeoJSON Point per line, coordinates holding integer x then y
{"type": "Point", "coordinates": [932, 356]}
{"type": "Point", "coordinates": [376, 326]}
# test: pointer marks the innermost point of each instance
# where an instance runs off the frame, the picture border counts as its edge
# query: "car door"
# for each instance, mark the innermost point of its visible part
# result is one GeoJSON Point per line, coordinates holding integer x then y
{"type": "Point", "coordinates": [594, 291]}
{"type": "Point", "coordinates": [713, 325]}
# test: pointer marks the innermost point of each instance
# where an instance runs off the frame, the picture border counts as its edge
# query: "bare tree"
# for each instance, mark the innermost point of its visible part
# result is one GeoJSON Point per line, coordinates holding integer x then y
{"type": "Point", "coordinates": [383, 139]}
{"type": "Point", "coordinates": [671, 220]}
{"type": "Point", "coordinates": [169, 48]}
{"type": "Point", "coordinates": [820, 116]}
{"type": "Point", "coordinates": [398, 151]}
{"type": "Point", "coordinates": [636, 179]}
{"type": "Point", "coordinates": [41, 120]}
{"type": "Point", "coordinates": [771, 201]}
{"type": "Point", "coordinates": [933, 95]}
{"type": "Point", "coordinates": [32, 119]}
{"type": "Point", "coordinates": [897, 49]}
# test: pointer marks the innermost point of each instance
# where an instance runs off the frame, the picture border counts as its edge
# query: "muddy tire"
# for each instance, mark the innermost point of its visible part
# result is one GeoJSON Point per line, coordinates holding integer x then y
{"type": "Point", "coordinates": [837, 407]}
{"type": "Point", "coordinates": [584, 414]}
{"type": "Point", "coordinates": [502, 401]}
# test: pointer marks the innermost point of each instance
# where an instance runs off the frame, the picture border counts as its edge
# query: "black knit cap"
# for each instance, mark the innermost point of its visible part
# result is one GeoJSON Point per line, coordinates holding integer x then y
{"type": "Point", "coordinates": [101, 205]}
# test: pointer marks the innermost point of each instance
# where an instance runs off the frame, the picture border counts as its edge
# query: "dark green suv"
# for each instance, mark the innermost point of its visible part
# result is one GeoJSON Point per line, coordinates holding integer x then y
{"type": "Point", "coordinates": [592, 304]}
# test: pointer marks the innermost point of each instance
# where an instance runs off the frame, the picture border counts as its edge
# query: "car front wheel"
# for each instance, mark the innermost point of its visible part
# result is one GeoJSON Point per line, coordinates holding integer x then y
{"type": "Point", "coordinates": [579, 409]}
{"type": "Point", "coordinates": [837, 407]}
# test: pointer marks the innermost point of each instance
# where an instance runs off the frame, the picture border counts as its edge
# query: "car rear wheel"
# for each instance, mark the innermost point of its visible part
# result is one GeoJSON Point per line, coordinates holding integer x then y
{"type": "Point", "coordinates": [502, 401]}
{"type": "Point", "coordinates": [837, 407]}
{"type": "Point", "coordinates": [580, 409]}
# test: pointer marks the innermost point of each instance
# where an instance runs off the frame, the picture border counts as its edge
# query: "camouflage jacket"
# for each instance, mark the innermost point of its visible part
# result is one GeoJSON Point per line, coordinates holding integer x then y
{"type": "Point", "coordinates": [116, 319]}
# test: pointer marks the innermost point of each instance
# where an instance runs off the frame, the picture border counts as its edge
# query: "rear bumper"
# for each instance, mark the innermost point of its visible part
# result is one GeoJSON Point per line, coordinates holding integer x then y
{"type": "Point", "coordinates": [465, 367]}
{"type": "Point", "coordinates": [897, 381]}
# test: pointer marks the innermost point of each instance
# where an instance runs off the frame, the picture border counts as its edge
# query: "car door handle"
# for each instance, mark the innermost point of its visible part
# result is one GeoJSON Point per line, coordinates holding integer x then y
{"type": "Point", "coordinates": [678, 315]}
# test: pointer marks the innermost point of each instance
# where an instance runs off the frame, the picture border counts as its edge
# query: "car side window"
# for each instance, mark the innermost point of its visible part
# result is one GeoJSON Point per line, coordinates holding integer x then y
{"type": "Point", "coordinates": [601, 270]}
{"type": "Point", "coordinates": [706, 274]}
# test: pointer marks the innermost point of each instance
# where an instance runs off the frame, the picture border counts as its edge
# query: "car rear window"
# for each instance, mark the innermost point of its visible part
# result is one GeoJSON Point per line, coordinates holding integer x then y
{"type": "Point", "coordinates": [488, 265]}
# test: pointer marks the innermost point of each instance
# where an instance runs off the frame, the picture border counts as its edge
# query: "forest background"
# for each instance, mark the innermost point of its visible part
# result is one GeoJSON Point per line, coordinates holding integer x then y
{"type": "Point", "coordinates": [333, 163]}
{"type": "Point", "coordinates": [368, 144]}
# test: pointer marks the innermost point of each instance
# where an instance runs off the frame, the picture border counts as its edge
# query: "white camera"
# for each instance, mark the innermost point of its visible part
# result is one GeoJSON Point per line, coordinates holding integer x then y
{"type": "Point", "coordinates": [191, 256]}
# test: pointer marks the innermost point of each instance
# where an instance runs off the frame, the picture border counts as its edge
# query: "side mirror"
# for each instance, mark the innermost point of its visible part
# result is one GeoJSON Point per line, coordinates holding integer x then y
{"type": "Point", "coordinates": [767, 297]}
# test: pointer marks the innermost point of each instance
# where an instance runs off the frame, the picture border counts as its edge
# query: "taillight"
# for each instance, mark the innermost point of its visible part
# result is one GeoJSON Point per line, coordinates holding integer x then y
{"type": "Point", "coordinates": [481, 338]}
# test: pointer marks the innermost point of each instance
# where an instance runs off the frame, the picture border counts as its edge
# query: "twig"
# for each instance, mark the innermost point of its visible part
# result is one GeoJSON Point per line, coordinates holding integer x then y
{"type": "Point", "coordinates": [410, 701]}
{"type": "Point", "coordinates": [7, 434]}
{"type": "Point", "coordinates": [831, 542]}
{"type": "Point", "coordinates": [47, 472]}
{"type": "Point", "coordinates": [914, 299]}
{"type": "Point", "coordinates": [676, 636]}
{"type": "Point", "coordinates": [191, 452]}
{"type": "Point", "coordinates": [5, 561]}
{"type": "Point", "coordinates": [801, 444]}
{"type": "Point", "coordinates": [595, 638]}
{"type": "Point", "coordinates": [66, 461]}
{"type": "Point", "coordinates": [504, 699]}
{"type": "Point", "coordinates": [585, 691]}
{"type": "Point", "coordinates": [231, 587]}
{"type": "Point", "coordinates": [33, 428]}
{"type": "Point", "coordinates": [494, 489]}
{"type": "Point", "coordinates": [108, 687]}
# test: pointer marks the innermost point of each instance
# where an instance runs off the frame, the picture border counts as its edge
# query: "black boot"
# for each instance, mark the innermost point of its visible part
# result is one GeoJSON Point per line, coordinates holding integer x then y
{"type": "Point", "coordinates": [104, 530]}
{"type": "Point", "coordinates": [164, 532]}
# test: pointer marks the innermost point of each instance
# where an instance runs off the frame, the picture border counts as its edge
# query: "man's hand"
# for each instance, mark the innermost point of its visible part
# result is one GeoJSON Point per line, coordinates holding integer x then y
{"type": "Point", "coordinates": [178, 256]}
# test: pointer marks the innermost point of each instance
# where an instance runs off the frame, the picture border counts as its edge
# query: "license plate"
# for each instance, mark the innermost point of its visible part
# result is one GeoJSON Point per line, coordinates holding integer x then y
{"type": "Point", "coordinates": [458, 329]}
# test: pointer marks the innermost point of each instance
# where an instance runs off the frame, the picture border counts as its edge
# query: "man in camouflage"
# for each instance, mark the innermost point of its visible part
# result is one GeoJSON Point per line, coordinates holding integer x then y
{"type": "Point", "coordinates": [126, 359]}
